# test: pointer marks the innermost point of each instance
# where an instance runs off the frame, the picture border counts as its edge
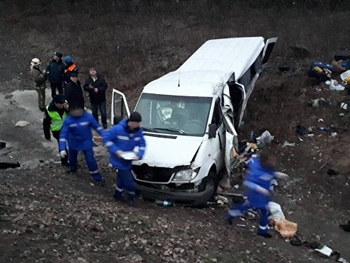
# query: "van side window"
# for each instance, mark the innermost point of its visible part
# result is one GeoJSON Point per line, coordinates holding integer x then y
{"type": "Point", "coordinates": [256, 66]}
{"type": "Point", "coordinates": [245, 79]}
{"type": "Point", "coordinates": [217, 117]}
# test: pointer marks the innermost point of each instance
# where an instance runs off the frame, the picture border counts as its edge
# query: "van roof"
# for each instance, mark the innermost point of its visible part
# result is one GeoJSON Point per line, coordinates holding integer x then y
{"type": "Point", "coordinates": [209, 68]}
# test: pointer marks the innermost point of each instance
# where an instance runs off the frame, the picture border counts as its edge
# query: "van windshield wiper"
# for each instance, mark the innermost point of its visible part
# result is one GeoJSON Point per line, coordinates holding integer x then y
{"type": "Point", "coordinates": [170, 129]}
{"type": "Point", "coordinates": [149, 129]}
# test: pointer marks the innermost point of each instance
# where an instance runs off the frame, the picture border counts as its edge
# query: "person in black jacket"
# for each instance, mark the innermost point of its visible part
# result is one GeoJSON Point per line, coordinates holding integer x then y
{"type": "Point", "coordinates": [54, 114]}
{"type": "Point", "coordinates": [96, 86]}
{"type": "Point", "coordinates": [73, 92]}
{"type": "Point", "coordinates": [55, 74]}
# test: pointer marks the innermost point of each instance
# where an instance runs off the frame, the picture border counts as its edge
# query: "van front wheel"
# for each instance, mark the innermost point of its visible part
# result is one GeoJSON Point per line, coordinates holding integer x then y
{"type": "Point", "coordinates": [210, 184]}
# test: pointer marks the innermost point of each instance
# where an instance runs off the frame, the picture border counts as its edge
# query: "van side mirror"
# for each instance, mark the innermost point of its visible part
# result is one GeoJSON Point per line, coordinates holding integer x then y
{"type": "Point", "coordinates": [212, 130]}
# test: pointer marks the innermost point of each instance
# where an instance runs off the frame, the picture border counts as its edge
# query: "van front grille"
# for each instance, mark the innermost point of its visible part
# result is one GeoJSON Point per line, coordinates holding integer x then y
{"type": "Point", "coordinates": [153, 174]}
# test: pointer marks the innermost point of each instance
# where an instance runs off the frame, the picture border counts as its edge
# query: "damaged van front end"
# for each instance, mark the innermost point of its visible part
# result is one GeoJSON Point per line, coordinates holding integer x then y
{"type": "Point", "coordinates": [174, 174]}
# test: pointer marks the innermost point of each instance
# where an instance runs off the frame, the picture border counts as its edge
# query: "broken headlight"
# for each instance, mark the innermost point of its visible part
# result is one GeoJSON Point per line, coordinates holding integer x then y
{"type": "Point", "coordinates": [185, 175]}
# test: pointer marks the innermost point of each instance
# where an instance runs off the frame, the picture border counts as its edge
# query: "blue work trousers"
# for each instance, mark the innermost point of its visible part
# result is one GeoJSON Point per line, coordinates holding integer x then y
{"type": "Point", "coordinates": [90, 161]}
{"type": "Point", "coordinates": [125, 181]}
{"type": "Point", "coordinates": [240, 209]}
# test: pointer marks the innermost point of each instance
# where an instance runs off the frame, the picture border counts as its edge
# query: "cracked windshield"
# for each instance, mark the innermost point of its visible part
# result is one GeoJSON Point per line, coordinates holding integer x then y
{"type": "Point", "coordinates": [174, 114]}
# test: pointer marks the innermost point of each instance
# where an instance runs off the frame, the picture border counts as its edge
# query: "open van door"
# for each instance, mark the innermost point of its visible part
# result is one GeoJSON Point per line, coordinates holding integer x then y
{"type": "Point", "coordinates": [231, 139]}
{"type": "Point", "coordinates": [269, 45]}
{"type": "Point", "coordinates": [236, 97]}
{"type": "Point", "coordinates": [119, 107]}
{"type": "Point", "coordinates": [231, 144]}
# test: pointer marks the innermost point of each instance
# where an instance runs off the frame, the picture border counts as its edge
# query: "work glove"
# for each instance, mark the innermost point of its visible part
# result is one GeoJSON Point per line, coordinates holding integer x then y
{"type": "Point", "coordinates": [63, 154]}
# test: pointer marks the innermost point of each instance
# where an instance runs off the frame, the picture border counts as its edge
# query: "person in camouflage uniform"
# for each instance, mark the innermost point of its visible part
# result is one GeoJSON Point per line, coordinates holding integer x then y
{"type": "Point", "coordinates": [39, 81]}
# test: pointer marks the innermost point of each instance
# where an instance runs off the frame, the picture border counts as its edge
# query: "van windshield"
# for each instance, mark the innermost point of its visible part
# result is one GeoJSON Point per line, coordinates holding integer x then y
{"type": "Point", "coordinates": [174, 114]}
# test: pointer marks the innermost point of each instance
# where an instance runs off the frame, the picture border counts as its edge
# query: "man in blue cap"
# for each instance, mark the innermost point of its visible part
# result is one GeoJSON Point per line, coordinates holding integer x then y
{"type": "Point", "coordinates": [125, 143]}
{"type": "Point", "coordinates": [70, 67]}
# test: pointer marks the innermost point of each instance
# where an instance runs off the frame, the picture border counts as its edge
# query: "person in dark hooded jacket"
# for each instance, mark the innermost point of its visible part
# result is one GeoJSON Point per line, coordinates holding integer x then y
{"type": "Point", "coordinates": [258, 183]}
{"type": "Point", "coordinates": [97, 86]}
{"type": "Point", "coordinates": [54, 115]}
{"type": "Point", "coordinates": [55, 72]}
{"type": "Point", "coordinates": [73, 92]}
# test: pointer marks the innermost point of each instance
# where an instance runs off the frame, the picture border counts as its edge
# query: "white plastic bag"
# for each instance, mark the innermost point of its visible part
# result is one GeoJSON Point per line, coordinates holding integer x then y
{"type": "Point", "coordinates": [265, 137]}
{"type": "Point", "coordinates": [334, 85]}
{"type": "Point", "coordinates": [275, 211]}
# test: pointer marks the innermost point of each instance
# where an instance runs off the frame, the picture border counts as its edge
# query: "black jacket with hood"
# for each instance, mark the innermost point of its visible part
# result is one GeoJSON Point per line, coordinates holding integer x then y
{"type": "Point", "coordinates": [74, 94]}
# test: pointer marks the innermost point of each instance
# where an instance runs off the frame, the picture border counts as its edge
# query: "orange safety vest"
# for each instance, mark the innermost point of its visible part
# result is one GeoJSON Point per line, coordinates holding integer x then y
{"type": "Point", "coordinates": [70, 68]}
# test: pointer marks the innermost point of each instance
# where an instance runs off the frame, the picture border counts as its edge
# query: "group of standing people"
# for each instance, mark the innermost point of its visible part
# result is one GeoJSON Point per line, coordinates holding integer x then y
{"type": "Point", "coordinates": [71, 125]}
{"type": "Point", "coordinates": [62, 74]}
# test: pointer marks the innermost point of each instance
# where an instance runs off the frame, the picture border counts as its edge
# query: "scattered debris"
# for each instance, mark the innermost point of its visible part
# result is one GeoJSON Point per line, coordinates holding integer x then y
{"type": "Point", "coordinates": [344, 106]}
{"type": "Point", "coordinates": [265, 138]}
{"type": "Point", "coordinates": [2, 144]}
{"type": "Point", "coordinates": [221, 200]}
{"type": "Point", "coordinates": [325, 251]}
{"type": "Point", "coordinates": [286, 143]}
{"type": "Point", "coordinates": [301, 130]}
{"type": "Point", "coordinates": [345, 227]}
{"type": "Point", "coordinates": [22, 123]}
{"type": "Point", "coordinates": [285, 228]}
{"type": "Point", "coordinates": [275, 211]}
{"type": "Point", "coordinates": [318, 102]}
{"type": "Point", "coordinates": [4, 165]}
{"type": "Point", "coordinates": [332, 172]}
{"type": "Point", "coordinates": [345, 76]}
{"type": "Point", "coordinates": [334, 85]}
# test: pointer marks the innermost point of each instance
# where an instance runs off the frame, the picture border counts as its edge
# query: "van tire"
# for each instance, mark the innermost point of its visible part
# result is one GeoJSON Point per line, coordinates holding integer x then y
{"type": "Point", "coordinates": [211, 180]}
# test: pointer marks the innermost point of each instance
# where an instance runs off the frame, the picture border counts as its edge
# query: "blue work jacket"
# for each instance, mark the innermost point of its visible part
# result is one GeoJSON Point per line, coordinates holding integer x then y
{"type": "Point", "coordinates": [76, 130]}
{"type": "Point", "coordinates": [121, 138]}
{"type": "Point", "coordinates": [258, 176]}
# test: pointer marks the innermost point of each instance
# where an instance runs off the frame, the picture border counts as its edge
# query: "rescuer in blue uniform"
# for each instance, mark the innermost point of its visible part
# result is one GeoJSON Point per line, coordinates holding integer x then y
{"type": "Point", "coordinates": [125, 137]}
{"type": "Point", "coordinates": [76, 130]}
{"type": "Point", "coordinates": [258, 190]}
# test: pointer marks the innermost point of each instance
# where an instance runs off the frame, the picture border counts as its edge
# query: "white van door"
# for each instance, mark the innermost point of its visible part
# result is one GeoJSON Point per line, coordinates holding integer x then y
{"type": "Point", "coordinates": [269, 45]}
{"type": "Point", "coordinates": [119, 107]}
{"type": "Point", "coordinates": [231, 144]}
{"type": "Point", "coordinates": [235, 98]}
{"type": "Point", "coordinates": [231, 139]}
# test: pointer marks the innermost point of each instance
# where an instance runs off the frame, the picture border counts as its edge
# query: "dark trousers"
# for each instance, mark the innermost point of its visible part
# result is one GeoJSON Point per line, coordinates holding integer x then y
{"type": "Point", "coordinates": [102, 107]}
{"type": "Point", "coordinates": [56, 87]}
{"type": "Point", "coordinates": [125, 180]}
{"type": "Point", "coordinates": [56, 135]}
{"type": "Point", "coordinates": [90, 161]}
{"type": "Point", "coordinates": [239, 210]}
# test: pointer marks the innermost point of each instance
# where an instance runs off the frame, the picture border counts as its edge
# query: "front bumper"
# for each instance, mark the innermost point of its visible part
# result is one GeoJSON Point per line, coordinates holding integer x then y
{"type": "Point", "coordinates": [185, 198]}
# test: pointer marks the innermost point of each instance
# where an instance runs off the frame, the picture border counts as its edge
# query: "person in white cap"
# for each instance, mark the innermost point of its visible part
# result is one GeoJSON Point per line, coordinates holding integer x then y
{"type": "Point", "coordinates": [39, 81]}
